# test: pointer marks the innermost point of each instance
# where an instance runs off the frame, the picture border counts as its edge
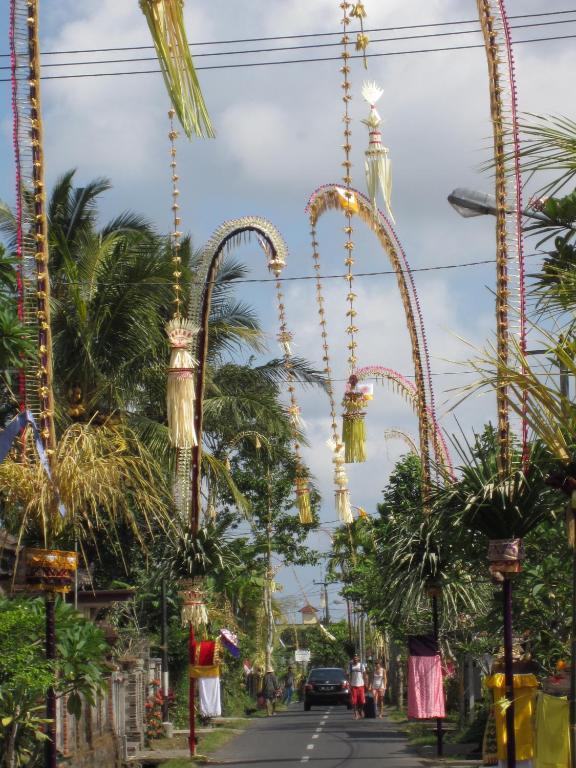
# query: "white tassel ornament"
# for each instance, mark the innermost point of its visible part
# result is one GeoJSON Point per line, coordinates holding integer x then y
{"type": "Point", "coordinates": [342, 494]}
{"type": "Point", "coordinates": [181, 395]}
{"type": "Point", "coordinates": [378, 165]}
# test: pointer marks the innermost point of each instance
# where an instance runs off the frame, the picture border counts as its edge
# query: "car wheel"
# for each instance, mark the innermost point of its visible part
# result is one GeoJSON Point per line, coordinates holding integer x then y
{"type": "Point", "coordinates": [307, 706]}
{"type": "Point", "coordinates": [348, 706]}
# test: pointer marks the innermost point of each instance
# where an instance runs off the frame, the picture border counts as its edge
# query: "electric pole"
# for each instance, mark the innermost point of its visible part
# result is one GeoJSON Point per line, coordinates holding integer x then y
{"type": "Point", "coordinates": [324, 584]}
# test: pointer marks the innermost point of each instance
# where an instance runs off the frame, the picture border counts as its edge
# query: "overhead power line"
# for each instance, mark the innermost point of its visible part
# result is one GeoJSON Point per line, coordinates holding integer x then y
{"type": "Point", "coordinates": [301, 36]}
{"type": "Point", "coordinates": [293, 61]}
{"type": "Point", "coordinates": [87, 75]}
{"type": "Point", "coordinates": [299, 278]}
{"type": "Point", "coordinates": [292, 47]}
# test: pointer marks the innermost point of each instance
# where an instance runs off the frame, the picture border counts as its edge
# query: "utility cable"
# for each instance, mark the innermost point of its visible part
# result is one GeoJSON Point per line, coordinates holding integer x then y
{"type": "Point", "coordinates": [293, 61]}
{"type": "Point", "coordinates": [291, 47]}
{"type": "Point", "coordinates": [299, 36]}
{"type": "Point", "coordinates": [296, 278]}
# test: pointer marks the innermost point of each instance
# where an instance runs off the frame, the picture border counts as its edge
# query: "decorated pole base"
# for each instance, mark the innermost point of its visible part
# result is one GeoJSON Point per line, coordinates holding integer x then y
{"type": "Point", "coordinates": [50, 570]}
{"type": "Point", "coordinates": [194, 611]}
{"type": "Point", "coordinates": [505, 556]}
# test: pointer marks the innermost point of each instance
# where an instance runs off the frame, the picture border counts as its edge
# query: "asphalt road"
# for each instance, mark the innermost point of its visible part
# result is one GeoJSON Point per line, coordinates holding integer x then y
{"type": "Point", "coordinates": [325, 737]}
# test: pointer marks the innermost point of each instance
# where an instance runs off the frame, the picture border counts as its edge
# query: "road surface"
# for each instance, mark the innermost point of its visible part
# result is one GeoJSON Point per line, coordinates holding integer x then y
{"type": "Point", "coordinates": [325, 737]}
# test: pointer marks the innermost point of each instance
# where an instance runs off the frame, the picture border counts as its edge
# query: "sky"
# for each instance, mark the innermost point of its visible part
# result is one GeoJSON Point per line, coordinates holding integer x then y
{"type": "Point", "coordinates": [279, 136]}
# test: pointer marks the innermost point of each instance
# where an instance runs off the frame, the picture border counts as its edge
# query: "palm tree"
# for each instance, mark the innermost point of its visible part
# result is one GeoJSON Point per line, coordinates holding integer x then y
{"type": "Point", "coordinates": [100, 478]}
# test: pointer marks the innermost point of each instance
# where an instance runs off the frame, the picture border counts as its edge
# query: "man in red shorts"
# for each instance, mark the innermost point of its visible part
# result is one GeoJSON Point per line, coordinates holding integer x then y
{"type": "Point", "coordinates": [357, 670]}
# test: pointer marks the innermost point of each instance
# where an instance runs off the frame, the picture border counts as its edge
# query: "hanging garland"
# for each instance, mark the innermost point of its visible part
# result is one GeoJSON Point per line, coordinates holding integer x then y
{"type": "Point", "coordinates": [342, 492]}
{"type": "Point", "coordinates": [284, 337]}
{"type": "Point", "coordinates": [353, 425]}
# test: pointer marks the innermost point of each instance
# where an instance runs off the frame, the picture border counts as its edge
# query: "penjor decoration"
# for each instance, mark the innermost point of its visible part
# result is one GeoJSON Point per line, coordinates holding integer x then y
{"type": "Point", "coordinates": [356, 398]}
{"type": "Point", "coordinates": [353, 426]}
{"type": "Point", "coordinates": [182, 333]}
{"type": "Point", "coordinates": [378, 165]}
{"type": "Point", "coordinates": [166, 22]}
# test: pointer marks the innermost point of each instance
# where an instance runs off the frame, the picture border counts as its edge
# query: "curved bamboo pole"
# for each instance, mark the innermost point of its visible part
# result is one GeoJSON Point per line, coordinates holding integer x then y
{"type": "Point", "coordinates": [409, 391]}
{"type": "Point", "coordinates": [32, 226]}
{"type": "Point", "coordinates": [227, 236]}
{"type": "Point", "coordinates": [508, 193]}
{"type": "Point", "coordinates": [398, 434]}
{"type": "Point", "coordinates": [327, 198]}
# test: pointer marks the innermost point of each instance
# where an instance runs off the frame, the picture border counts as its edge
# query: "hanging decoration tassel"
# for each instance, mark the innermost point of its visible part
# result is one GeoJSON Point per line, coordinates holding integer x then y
{"type": "Point", "coordinates": [303, 501]}
{"type": "Point", "coordinates": [362, 39]}
{"type": "Point", "coordinates": [353, 425]}
{"type": "Point", "coordinates": [342, 494]}
{"type": "Point", "coordinates": [166, 22]}
{"type": "Point", "coordinates": [194, 611]}
{"type": "Point", "coordinates": [285, 341]}
{"type": "Point", "coordinates": [180, 390]}
{"type": "Point", "coordinates": [378, 165]}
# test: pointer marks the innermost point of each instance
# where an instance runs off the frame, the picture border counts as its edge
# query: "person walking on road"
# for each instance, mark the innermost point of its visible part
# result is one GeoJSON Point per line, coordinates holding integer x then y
{"type": "Point", "coordinates": [379, 683]}
{"type": "Point", "coordinates": [288, 686]}
{"type": "Point", "coordinates": [270, 691]}
{"type": "Point", "coordinates": [357, 682]}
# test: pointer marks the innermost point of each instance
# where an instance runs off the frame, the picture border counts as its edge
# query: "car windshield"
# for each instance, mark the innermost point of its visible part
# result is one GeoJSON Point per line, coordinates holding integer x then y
{"type": "Point", "coordinates": [327, 675]}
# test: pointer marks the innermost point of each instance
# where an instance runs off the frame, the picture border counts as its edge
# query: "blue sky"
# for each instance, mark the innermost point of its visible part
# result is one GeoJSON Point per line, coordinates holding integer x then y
{"type": "Point", "coordinates": [278, 138]}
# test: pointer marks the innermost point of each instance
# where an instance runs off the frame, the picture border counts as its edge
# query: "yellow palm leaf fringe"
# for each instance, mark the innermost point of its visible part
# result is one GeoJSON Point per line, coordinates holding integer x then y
{"type": "Point", "coordinates": [353, 426]}
{"type": "Point", "coordinates": [303, 501]}
{"type": "Point", "coordinates": [166, 22]}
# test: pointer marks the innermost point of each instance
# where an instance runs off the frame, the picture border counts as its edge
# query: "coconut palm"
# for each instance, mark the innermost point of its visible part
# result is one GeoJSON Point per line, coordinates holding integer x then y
{"type": "Point", "coordinates": [100, 477]}
{"type": "Point", "coordinates": [549, 145]}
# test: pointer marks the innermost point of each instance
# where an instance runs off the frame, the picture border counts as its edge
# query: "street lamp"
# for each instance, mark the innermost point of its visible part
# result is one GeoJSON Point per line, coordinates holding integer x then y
{"type": "Point", "coordinates": [469, 203]}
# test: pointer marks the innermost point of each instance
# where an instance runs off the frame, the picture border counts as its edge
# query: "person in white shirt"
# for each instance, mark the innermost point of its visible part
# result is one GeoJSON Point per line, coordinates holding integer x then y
{"type": "Point", "coordinates": [357, 683]}
{"type": "Point", "coordinates": [379, 683]}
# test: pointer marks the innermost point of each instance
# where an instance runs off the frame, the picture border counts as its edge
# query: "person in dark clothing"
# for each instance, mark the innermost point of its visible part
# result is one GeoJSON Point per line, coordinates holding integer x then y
{"type": "Point", "coordinates": [288, 686]}
{"type": "Point", "coordinates": [270, 691]}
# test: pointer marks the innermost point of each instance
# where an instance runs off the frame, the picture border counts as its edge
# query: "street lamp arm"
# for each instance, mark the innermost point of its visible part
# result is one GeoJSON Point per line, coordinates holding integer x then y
{"type": "Point", "coordinates": [469, 203]}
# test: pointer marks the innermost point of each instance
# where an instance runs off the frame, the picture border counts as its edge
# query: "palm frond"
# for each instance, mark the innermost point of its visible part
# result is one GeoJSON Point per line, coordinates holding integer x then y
{"type": "Point", "coordinates": [103, 476]}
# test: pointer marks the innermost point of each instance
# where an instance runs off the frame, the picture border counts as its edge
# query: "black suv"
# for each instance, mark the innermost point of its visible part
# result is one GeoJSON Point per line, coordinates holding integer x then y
{"type": "Point", "coordinates": [327, 685]}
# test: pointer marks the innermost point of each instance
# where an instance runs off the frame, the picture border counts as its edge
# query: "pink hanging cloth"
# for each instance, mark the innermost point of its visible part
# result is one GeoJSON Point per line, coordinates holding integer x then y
{"type": "Point", "coordinates": [425, 687]}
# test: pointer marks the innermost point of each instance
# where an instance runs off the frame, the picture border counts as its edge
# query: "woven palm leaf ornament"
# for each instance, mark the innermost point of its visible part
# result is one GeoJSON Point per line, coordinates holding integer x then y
{"type": "Point", "coordinates": [362, 39]}
{"type": "Point", "coordinates": [166, 23]}
{"type": "Point", "coordinates": [181, 332]}
{"type": "Point", "coordinates": [377, 165]}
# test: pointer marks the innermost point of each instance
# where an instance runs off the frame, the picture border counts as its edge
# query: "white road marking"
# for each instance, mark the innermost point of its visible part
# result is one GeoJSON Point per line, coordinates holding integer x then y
{"type": "Point", "coordinates": [305, 759]}
{"type": "Point", "coordinates": [314, 735]}
{"type": "Point", "coordinates": [310, 746]}
{"type": "Point", "coordinates": [319, 730]}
